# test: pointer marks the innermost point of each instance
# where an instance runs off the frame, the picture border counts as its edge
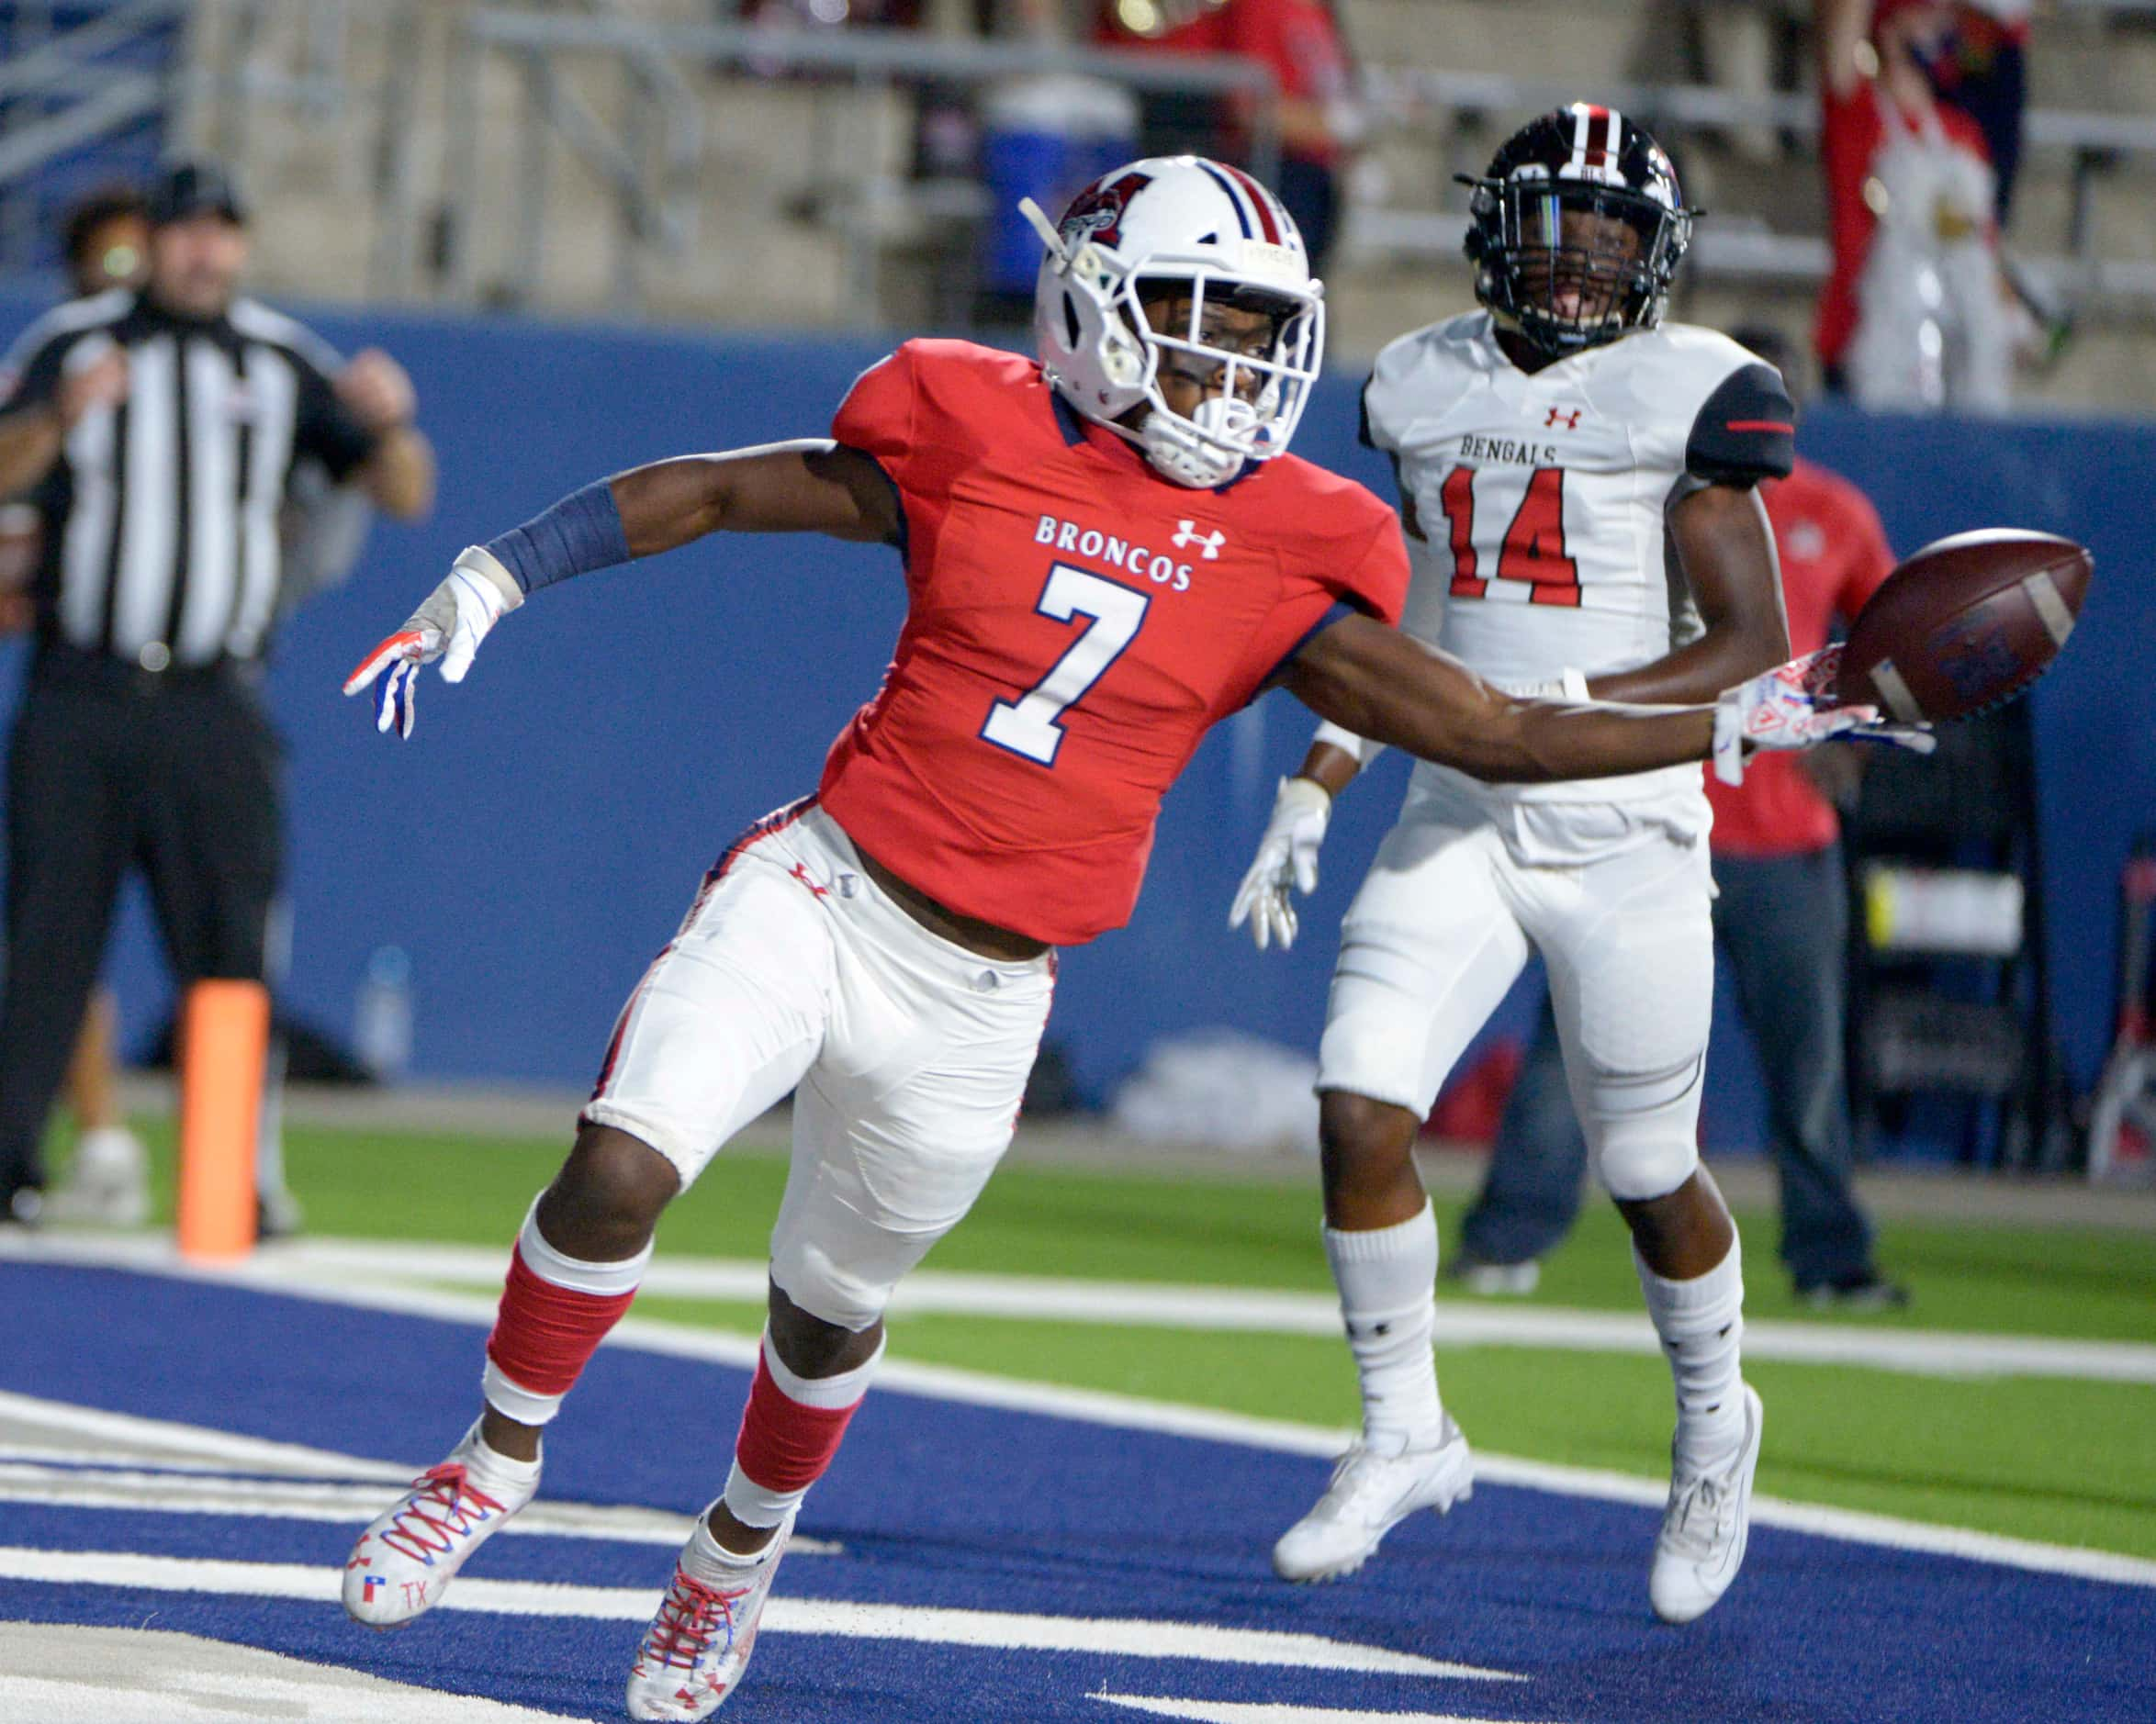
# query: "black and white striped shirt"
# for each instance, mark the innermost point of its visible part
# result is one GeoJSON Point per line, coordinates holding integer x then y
{"type": "Point", "coordinates": [160, 516]}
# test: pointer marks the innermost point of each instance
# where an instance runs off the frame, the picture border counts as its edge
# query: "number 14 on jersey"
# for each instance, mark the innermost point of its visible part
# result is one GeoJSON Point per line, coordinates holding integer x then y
{"type": "Point", "coordinates": [1532, 549]}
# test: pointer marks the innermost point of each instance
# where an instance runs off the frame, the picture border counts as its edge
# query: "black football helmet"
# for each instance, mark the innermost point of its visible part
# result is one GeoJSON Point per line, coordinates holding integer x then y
{"type": "Point", "coordinates": [1577, 230]}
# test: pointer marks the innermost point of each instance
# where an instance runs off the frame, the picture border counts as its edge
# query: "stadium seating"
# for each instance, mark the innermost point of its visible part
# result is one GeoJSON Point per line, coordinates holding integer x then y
{"type": "Point", "coordinates": [795, 209]}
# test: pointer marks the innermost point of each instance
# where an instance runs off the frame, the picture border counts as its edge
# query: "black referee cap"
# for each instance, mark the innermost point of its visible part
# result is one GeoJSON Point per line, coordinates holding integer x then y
{"type": "Point", "coordinates": [195, 188]}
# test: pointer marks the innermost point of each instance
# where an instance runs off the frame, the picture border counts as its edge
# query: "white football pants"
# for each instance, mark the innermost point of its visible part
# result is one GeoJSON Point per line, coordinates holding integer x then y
{"type": "Point", "coordinates": [910, 1055]}
{"type": "Point", "coordinates": [1441, 929]}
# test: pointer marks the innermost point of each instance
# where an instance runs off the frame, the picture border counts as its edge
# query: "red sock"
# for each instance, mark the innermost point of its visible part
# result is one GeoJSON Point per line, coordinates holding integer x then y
{"type": "Point", "coordinates": [554, 1312]}
{"type": "Point", "coordinates": [789, 1433]}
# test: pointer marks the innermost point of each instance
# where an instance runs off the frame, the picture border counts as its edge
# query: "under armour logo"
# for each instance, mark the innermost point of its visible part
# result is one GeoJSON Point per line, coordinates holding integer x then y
{"type": "Point", "coordinates": [801, 873]}
{"type": "Point", "coordinates": [1187, 534]}
{"type": "Point", "coordinates": [1569, 419]}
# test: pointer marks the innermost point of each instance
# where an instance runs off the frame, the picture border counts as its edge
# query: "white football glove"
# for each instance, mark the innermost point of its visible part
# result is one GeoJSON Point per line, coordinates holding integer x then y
{"type": "Point", "coordinates": [1286, 863]}
{"type": "Point", "coordinates": [449, 625]}
{"type": "Point", "coordinates": [1791, 706]}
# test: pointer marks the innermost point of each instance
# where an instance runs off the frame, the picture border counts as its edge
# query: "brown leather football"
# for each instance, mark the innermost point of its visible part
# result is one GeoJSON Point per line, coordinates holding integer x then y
{"type": "Point", "coordinates": [1967, 622]}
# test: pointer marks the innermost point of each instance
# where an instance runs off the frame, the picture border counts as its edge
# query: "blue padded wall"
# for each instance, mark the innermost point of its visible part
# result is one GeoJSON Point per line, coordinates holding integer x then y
{"type": "Point", "coordinates": [539, 837]}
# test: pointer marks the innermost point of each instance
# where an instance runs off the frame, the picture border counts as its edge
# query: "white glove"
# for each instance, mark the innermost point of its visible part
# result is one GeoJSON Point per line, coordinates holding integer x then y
{"type": "Point", "coordinates": [1287, 857]}
{"type": "Point", "coordinates": [448, 625]}
{"type": "Point", "coordinates": [1791, 706]}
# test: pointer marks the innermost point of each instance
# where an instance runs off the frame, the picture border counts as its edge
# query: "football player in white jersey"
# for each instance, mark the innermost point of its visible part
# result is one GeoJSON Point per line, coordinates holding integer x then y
{"type": "Point", "coordinates": [1576, 482]}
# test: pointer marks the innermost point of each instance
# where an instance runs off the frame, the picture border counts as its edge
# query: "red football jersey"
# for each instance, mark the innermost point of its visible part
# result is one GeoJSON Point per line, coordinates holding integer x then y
{"type": "Point", "coordinates": [1075, 625]}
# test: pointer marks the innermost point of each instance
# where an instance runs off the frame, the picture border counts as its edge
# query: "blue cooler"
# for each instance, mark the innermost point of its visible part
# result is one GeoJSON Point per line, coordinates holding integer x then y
{"type": "Point", "coordinates": [1047, 139]}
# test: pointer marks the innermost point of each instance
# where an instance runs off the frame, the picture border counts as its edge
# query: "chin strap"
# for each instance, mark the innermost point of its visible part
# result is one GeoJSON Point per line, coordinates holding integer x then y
{"type": "Point", "coordinates": [1178, 452]}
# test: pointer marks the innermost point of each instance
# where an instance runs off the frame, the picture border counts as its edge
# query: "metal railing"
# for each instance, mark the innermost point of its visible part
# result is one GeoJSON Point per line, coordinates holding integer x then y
{"type": "Point", "coordinates": [2095, 143]}
{"type": "Point", "coordinates": [56, 97]}
{"type": "Point", "coordinates": [660, 212]}
{"type": "Point", "coordinates": [426, 186]}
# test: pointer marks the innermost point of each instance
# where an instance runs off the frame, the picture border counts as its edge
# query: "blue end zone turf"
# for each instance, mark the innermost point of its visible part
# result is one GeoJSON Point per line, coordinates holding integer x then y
{"type": "Point", "coordinates": [973, 1509]}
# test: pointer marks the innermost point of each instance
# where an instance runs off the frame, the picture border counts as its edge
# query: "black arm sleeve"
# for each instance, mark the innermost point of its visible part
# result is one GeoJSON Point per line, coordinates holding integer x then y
{"type": "Point", "coordinates": [1747, 430]}
{"type": "Point", "coordinates": [38, 378]}
{"type": "Point", "coordinates": [1362, 413]}
{"type": "Point", "coordinates": [326, 428]}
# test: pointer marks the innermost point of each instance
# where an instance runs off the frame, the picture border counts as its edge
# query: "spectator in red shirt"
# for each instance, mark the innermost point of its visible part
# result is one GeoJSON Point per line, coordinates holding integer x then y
{"type": "Point", "coordinates": [1301, 41]}
{"type": "Point", "coordinates": [1781, 921]}
{"type": "Point", "coordinates": [1914, 312]}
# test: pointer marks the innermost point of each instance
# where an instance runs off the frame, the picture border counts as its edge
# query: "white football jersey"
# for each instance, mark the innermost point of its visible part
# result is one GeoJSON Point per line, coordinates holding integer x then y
{"type": "Point", "coordinates": [1542, 499]}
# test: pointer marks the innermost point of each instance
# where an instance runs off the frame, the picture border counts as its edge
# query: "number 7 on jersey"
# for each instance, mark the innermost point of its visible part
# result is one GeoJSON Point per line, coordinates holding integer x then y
{"type": "Point", "coordinates": [1029, 725]}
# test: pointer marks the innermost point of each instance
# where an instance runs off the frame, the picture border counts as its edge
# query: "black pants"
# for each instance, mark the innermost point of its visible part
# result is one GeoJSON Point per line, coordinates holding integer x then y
{"type": "Point", "coordinates": [109, 769]}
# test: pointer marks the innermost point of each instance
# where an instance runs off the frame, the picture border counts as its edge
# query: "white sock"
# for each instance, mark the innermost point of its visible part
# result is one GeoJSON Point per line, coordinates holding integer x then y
{"type": "Point", "coordinates": [705, 1559]}
{"type": "Point", "coordinates": [495, 1473]}
{"type": "Point", "coordinates": [1385, 1277]}
{"type": "Point", "coordinates": [1701, 1325]}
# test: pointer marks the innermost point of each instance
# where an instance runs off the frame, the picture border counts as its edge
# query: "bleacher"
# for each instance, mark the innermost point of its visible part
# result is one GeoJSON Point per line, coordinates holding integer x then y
{"type": "Point", "coordinates": [442, 151]}
{"type": "Point", "coordinates": [87, 94]}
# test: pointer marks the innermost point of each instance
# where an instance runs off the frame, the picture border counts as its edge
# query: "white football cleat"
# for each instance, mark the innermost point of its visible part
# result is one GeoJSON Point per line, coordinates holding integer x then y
{"type": "Point", "coordinates": [108, 1185]}
{"type": "Point", "coordinates": [407, 1557]}
{"type": "Point", "coordinates": [693, 1654]}
{"type": "Point", "coordinates": [1705, 1528]}
{"type": "Point", "coordinates": [1370, 1494]}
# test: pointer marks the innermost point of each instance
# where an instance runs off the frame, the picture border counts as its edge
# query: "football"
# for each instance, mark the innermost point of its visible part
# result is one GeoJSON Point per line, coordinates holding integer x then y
{"type": "Point", "coordinates": [1965, 623]}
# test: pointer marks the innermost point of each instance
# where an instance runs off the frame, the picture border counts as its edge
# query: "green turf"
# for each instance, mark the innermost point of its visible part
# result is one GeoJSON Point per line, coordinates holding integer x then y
{"type": "Point", "coordinates": [2065, 1462]}
{"type": "Point", "coordinates": [2081, 1283]}
{"type": "Point", "coordinates": [1956, 1452]}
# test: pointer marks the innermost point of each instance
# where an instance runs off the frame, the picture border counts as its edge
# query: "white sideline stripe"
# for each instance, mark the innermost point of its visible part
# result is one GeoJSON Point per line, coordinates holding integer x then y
{"type": "Point", "coordinates": [1122, 1412]}
{"type": "Point", "coordinates": [187, 1494]}
{"type": "Point", "coordinates": [218, 1448]}
{"type": "Point", "coordinates": [1119, 1636]}
{"type": "Point", "coordinates": [1262, 1712]}
{"type": "Point", "coordinates": [163, 1493]}
{"type": "Point", "coordinates": [339, 1263]}
{"type": "Point", "coordinates": [61, 1673]}
{"type": "Point", "coordinates": [1166, 1306]}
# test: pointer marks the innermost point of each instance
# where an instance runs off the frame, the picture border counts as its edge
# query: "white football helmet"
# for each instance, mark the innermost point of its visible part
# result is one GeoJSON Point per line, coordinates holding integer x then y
{"type": "Point", "coordinates": [1212, 230]}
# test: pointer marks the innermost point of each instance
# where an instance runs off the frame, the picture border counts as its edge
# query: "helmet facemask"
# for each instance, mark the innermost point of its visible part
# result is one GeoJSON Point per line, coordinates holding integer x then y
{"type": "Point", "coordinates": [1577, 230]}
{"type": "Point", "coordinates": [1255, 376]}
{"type": "Point", "coordinates": [1094, 329]}
{"type": "Point", "coordinates": [1573, 264]}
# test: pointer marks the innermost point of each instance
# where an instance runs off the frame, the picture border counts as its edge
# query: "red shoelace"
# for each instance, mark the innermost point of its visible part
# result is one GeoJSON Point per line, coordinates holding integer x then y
{"type": "Point", "coordinates": [691, 1617]}
{"type": "Point", "coordinates": [444, 1507]}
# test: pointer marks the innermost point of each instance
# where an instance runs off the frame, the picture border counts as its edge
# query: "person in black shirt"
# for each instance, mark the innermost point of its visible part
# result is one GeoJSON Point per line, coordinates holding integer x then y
{"type": "Point", "coordinates": [155, 432]}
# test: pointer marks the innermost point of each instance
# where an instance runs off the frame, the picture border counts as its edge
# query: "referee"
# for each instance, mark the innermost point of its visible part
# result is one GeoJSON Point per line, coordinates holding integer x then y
{"type": "Point", "coordinates": [155, 432]}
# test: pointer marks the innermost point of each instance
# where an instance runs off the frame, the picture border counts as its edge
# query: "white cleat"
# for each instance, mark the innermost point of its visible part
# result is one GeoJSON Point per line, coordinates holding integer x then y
{"type": "Point", "coordinates": [406, 1559]}
{"type": "Point", "coordinates": [696, 1650]}
{"type": "Point", "coordinates": [1370, 1494]}
{"type": "Point", "coordinates": [1705, 1529]}
{"type": "Point", "coordinates": [108, 1186]}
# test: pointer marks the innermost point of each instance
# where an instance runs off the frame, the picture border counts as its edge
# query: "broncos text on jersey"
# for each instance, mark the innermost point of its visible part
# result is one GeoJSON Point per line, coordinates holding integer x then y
{"type": "Point", "coordinates": [1075, 625]}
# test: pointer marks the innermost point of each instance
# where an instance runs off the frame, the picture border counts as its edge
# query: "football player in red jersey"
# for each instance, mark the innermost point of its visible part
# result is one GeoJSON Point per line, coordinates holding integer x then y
{"type": "Point", "coordinates": [1106, 552]}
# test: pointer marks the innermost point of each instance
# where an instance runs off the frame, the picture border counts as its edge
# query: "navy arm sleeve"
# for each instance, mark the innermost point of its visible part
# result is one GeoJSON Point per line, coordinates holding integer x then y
{"type": "Point", "coordinates": [1747, 430]}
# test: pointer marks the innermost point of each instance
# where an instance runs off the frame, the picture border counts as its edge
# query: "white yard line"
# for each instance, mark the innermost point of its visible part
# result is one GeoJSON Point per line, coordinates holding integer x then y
{"type": "Point", "coordinates": [1261, 1712]}
{"type": "Point", "coordinates": [1117, 1636]}
{"type": "Point", "coordinates": [61, 1673]}
{"type": "Point", "coordinates": [1919, 1352]}
{"type": "Point", "coordinates": [1130, 1413]}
